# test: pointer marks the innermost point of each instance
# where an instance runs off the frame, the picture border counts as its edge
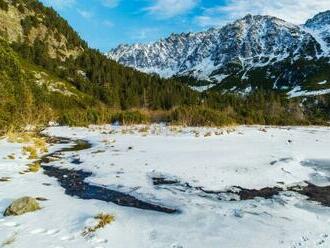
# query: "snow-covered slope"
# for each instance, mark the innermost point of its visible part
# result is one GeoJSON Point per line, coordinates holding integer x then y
{"type": "Point", "coordinates": [319, 27]}
{"type": "Point", "coordinates": [235, 51]}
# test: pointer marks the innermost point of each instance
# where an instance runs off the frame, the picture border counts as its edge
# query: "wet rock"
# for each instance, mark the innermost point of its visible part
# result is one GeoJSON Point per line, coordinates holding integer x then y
{"type": "Point", "coordinates": [267, 193]}
{"type": "Point", "coordinates": [41, 199]}
{"type": "Point", "coordinates": [315, 193]}
{"type": "Point", "coordinates": [163, 181]}
{"type": "Point", "coordinates": [76, 161]}
{"type": "Point", "coordinates": [4, 179]}
{"type": "Point", "coordinates": [21, 206]}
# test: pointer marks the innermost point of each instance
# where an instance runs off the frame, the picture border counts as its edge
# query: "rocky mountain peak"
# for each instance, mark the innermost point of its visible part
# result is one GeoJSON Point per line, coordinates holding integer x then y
{"type": "Point", "coordinates": [319, 27]}
{"type": "Point", "coordinates": [234, 51]}
{"type": "Point", "coordinates": [321, 19]}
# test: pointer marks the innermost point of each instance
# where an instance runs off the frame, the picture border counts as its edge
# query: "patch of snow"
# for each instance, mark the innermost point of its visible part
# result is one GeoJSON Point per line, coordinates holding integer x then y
{"type": "Point", "coordinates": [202, 88]}
{"type": "Point", "coordinates": [298, 92]}
{"type": "Point", "coordinates": [323, 82]}
{"type": "Point", "coordinates": [219, 78]}
{"type": "Point", "coordinates": [317, 33]}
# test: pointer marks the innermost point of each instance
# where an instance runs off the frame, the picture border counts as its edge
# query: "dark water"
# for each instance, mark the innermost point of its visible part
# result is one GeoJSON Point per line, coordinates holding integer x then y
{"type": "Point", "coordinates": [313, 192]}
{"type": "Point", "coordinates": [73, 181]}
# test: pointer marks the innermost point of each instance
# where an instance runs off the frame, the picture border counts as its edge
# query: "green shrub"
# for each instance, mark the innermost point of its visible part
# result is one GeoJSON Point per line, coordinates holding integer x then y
{"type": "Point", "coordinates": [28, 23]}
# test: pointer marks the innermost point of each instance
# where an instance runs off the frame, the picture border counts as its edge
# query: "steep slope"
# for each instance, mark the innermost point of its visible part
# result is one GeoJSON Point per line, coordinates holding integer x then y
{"type": "Point", "coordinates": [78, 85]}
{"type": "Point", "coordinates": [319, 27]}
{"type": "Point", "coordinates": [41, 36]}
{"type": "Point", "coordinates": [255, 51]}
{"type": "Point", "coordinates": [29, 22]}
{"type": "Point", "coordinates": [32, 95]}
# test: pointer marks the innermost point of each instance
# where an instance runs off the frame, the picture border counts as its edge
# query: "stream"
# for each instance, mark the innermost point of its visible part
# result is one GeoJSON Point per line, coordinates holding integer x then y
{"type": "Point", "coordinates": [73, 181]}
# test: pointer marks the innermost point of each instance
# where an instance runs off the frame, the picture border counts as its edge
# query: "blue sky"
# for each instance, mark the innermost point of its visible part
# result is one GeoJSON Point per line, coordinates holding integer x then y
{"type": "Point", "coordinates": [104, 24]}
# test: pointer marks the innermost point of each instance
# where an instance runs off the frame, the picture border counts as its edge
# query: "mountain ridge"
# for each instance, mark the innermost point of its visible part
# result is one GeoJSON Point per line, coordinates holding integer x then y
{"type": "Point", "coordinates": [234, 52]}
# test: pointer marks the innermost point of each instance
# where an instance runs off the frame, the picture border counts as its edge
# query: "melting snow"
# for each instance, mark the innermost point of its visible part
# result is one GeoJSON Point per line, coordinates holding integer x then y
{"type": "Point", "coordinates": [125, 158]}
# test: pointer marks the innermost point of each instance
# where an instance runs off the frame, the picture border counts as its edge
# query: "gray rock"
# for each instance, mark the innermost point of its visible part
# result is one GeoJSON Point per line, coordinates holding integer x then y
{"type": "Point", "coordinates": [21, 206]}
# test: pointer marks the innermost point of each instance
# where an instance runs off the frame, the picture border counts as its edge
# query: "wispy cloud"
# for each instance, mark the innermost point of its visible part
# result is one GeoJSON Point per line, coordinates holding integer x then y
{"type": "Point", "coordinates": [85, 13]}
{"type": "Point", "coordinates": [170, 8]}
{"type": "Point", "coordinates": [293, 11]}
{"type": "Point", "coordinates": [110, 3]}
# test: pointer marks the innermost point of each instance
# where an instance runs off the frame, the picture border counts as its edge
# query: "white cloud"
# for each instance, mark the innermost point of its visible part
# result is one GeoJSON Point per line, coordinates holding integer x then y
{"type": "Point", "coordinates": [169, 8]}
{"type": "Point", "coordinates": [110, 3]}
{"type": "Point", "coordinates": [85, 14]}
{"type": "Point", "coordinates": [60, 4]}
{"type": "Point", "coordinates": [295, 11]}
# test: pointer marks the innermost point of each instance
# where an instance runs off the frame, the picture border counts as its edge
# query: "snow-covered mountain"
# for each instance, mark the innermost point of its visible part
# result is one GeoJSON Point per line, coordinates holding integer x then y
{"type": "Point", "coordinates": [319, 27]}
{"type": "Point", "coordinates": [249, 52]}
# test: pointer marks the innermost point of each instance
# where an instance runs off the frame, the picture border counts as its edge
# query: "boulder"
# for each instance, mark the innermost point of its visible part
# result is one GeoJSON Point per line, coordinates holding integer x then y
{"type": "Point", "coordinates": [21, 206]}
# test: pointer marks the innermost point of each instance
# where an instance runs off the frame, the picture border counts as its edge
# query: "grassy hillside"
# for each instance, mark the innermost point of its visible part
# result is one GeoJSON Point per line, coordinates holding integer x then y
{"type": "Point", "coordinates": [31, 95]}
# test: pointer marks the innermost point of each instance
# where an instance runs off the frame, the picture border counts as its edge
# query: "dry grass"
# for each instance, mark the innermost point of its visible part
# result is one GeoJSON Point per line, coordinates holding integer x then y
{"type": "Point", "coordinates": [39, 143]}
{"type": "Point", "coordinates": [34, 167]}
{"type": "Point", "coordinates": [31, 151]}
{"type": "Point", "coordinates": [176, 129]}
{"type": "Point", "coordinates": [34, 145]}
{"type": "Point", "coordinates": [124, 131]}
{"type": "Point", "coordinates": [102, 221]}
{"type": "Point", "coordinates": [38, 146]}
{"type": "Point", "coordinates": [145, 129]}
{"type": "Point", "coordinates": [19, 137]}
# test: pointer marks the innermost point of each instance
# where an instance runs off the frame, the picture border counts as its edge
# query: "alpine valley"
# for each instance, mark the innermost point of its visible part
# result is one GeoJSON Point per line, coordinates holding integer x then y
{"type": "Point", "coordinates": [213, 139]}
{"type": "Point", "coordinates": [48, 73]}
{"type": "Point", "coordinates": [250, 53]}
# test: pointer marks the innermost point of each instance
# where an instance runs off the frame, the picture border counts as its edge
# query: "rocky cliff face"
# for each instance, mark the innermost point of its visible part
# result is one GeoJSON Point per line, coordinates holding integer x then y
{"type": "Point", "coordinates": [255, 51]}
{"type": "Point", "coordinates": [25, 22]}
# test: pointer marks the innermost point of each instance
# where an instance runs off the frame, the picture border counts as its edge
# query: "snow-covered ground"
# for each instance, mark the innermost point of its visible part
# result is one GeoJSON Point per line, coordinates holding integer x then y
{"type": "Point", "coordinates": [127, 158]}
